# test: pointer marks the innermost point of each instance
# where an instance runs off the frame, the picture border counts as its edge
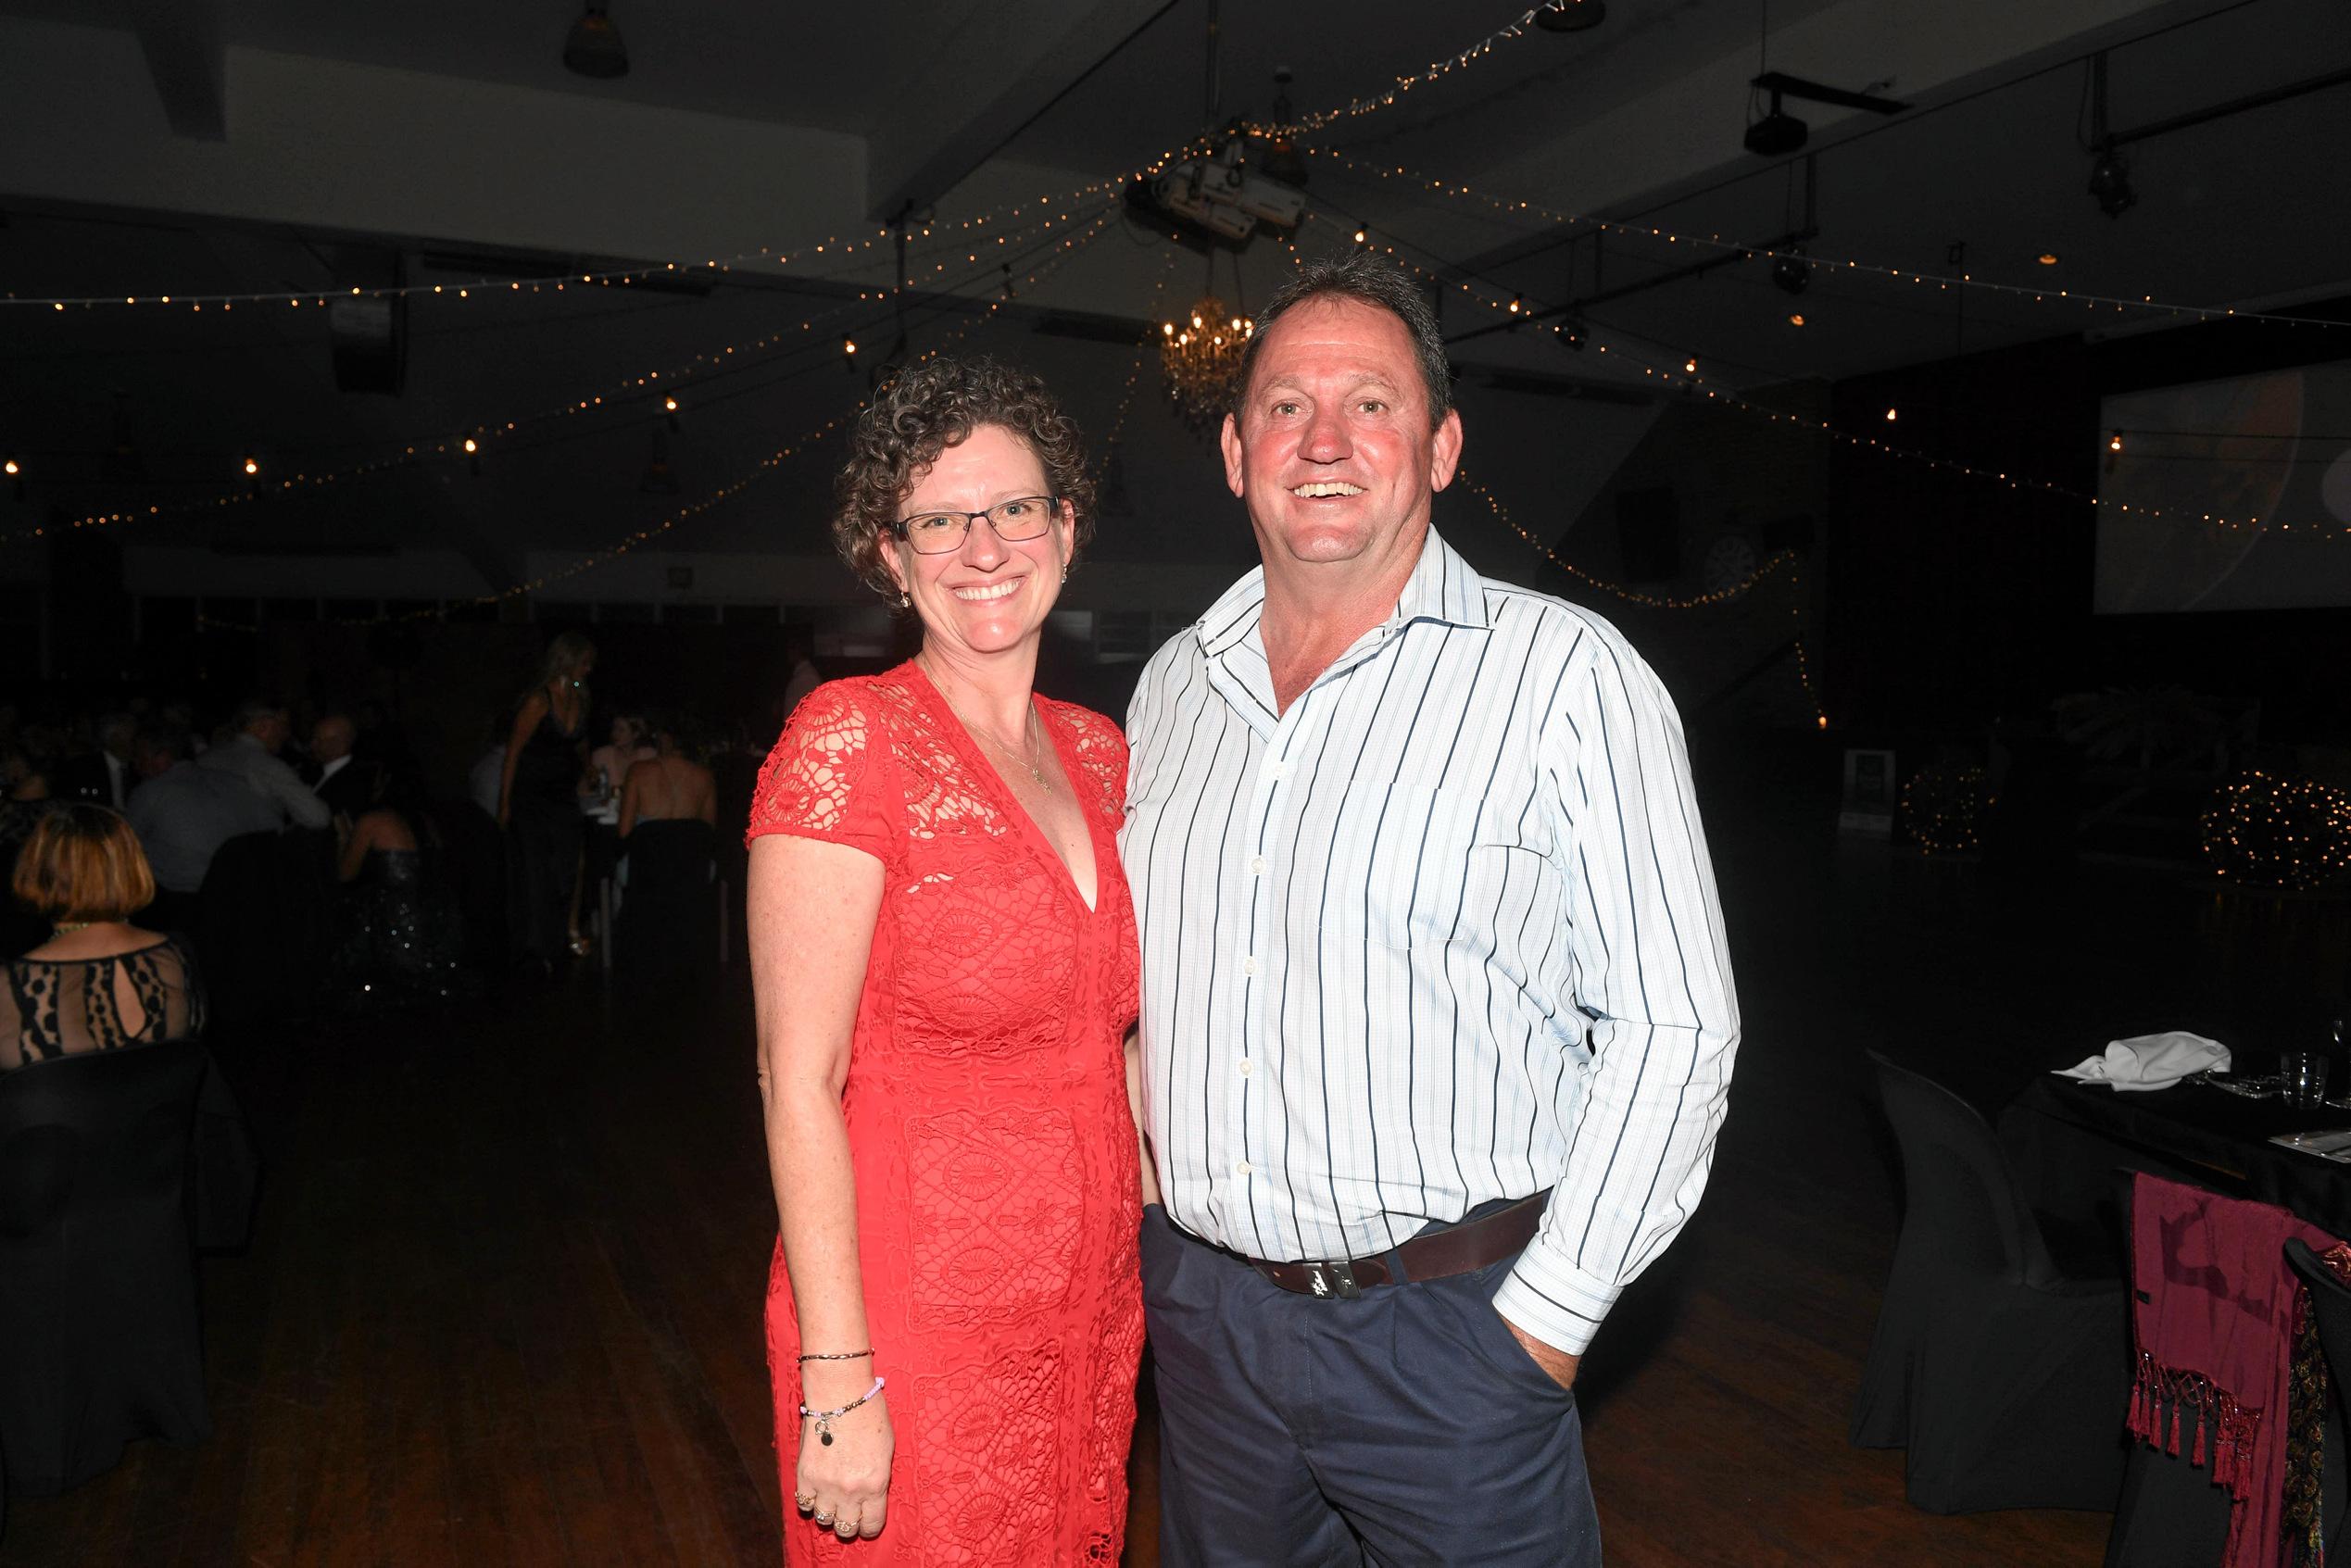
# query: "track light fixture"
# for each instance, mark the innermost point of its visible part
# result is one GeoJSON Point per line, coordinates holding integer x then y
{"type": "Point", "coordinates": [1571, 16]}
{"type": "Point", "coordinates": [2110, 182]}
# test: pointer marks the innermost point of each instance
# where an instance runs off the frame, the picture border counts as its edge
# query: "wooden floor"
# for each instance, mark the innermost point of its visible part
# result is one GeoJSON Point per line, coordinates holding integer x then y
{"type": "Point", "coordinates": [502, 1304]}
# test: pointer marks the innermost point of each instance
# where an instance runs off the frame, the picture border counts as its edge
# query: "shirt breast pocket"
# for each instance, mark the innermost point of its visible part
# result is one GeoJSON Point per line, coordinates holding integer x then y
{"type": "Point", "coordinates": [1413, 865]}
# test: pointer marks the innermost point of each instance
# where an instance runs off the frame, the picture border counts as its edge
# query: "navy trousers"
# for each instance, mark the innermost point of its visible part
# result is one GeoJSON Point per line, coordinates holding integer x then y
{"type": "Point", "coordinates": [1403, 1427]}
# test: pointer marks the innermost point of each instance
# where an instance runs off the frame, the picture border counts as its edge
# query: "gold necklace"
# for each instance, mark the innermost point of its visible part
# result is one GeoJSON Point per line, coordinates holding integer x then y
{"type": "Point", "coordinates": [981, 735]}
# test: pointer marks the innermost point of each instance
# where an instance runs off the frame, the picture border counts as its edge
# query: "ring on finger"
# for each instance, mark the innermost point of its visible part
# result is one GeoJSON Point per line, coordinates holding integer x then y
{"type": "Point", "coordinates": [804, 1502]}
{"type": "Point", "coordinates": [825, 1519]}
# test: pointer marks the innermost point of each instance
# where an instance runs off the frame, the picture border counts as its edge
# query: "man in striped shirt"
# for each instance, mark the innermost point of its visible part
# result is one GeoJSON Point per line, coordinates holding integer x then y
{"type": "Point", "coordinates": [1437, 1014]}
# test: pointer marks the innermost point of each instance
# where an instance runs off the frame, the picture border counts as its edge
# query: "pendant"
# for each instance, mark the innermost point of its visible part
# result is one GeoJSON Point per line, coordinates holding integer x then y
{"type": "Point", "coordinates": [825, 1436]}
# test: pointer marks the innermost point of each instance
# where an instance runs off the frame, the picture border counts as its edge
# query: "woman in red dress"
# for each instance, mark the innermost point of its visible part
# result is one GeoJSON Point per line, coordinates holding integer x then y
{"type": "Point", "coordinates": [944, 957]}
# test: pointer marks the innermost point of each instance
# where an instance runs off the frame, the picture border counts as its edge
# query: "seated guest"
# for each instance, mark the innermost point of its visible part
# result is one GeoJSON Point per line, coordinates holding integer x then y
{"type": "Point", "coordinates": [182, 812]}
{"type": "Point", "coordinates": [25, 796]}
{"type": "Point", "coordinates": [257, 732]}
{"type": "Point", "coordinates": [99, 983]}
{"type": "Point", "coordinates": [667, 787]}
{"type": "Point", "coordinates": [103, 775]}
{"type": "Point", "coordinates": [24, 801]}
{"type": "Point", "coordinates": [344, 782]}
{"type": "Point", "coordinates": [398, 934]}
{"type": "Point", "coordinates": [609, 766]}
{"type": "Point", "coordinates": [668, 807]}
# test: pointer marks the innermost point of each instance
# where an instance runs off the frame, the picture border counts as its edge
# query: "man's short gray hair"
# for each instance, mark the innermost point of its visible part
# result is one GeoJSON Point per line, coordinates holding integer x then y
{"type": "Point", "coordinates": [1359, 275]}
{"type": "Point", "coordinates": [253, 710]}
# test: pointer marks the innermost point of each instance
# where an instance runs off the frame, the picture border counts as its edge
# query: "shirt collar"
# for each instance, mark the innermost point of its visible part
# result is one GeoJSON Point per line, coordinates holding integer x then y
{"type": "Point", "coordinates": [1443, 587]}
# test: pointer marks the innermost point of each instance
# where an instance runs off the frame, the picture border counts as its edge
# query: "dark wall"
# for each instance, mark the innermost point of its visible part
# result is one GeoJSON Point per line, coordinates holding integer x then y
{"type": "Point", "coordinates": [1955, 597]}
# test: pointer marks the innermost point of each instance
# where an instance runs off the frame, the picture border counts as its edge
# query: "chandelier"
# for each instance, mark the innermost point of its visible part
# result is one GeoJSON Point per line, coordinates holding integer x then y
{"type": "Point", "coordinates": [1200, 354]}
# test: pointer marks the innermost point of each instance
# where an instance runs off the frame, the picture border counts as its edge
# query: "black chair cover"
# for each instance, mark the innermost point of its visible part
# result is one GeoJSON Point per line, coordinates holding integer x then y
{"type": "Point", "coordinates": [668, 927]}
{"type": "Point", "coordinates": [2007, 1381]}
{"type": "Point", "coordinates": [99, 1341]}
{"type": "Point", "coordinates": [265, 918]}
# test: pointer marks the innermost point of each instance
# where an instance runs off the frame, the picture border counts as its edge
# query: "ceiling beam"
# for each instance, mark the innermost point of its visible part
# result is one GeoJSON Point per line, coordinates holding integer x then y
{"type": "Point", "coordinates": [942, 120]}
{"type": "Point", "coordinates": [187, 62]}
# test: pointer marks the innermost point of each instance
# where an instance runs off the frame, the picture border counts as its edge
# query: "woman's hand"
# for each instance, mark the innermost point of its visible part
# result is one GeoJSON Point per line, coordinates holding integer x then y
{"type": "Point", "coordinates": [844, 1485]}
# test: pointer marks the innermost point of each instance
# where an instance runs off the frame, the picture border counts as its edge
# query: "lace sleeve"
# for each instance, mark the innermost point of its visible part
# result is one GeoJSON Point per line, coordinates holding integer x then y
{"type": "Point", "coordinates": [819, 781]}
{"type": "Point", "coordinates": [1102, 755]}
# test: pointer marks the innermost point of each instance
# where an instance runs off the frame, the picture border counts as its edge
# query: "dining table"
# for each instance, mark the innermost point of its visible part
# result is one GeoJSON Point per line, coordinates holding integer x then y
{"type": "Point", "coordinates": [2067, 1138]}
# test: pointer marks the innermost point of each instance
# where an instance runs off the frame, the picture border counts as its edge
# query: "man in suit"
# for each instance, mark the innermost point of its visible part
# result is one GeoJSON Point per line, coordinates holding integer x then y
{"type": "Point", "coordinates": [104, 776]}
{"type": "Point", "coordinates": [345, 782]}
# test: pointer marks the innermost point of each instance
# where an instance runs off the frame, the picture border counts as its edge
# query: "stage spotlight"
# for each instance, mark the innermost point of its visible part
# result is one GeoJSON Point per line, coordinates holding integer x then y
{"type": "Point", "coordinates": [1792, 272]}
{"type": "Point", "coordinates": [2110, 182]}
{"type": "Point", "coordinates": [593, 48]}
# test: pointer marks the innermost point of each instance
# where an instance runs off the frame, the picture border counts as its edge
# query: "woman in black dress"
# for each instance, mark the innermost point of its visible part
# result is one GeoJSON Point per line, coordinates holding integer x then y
{"type": "Point", "coordinates": [538, 799]}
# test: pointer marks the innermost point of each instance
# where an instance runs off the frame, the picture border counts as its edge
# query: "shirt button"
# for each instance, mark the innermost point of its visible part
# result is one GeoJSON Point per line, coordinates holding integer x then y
{"type": "Point", "coordinates": [1248, 963]}
{"type": "Point", "coordinates": [1277, 768]}
{"type": "Point", "coordinates": [1257, 865]}
{"type": "Point", "coordinates": [1247, 1067]}
{"type": "Point", "coordinates": [1243, 1168]}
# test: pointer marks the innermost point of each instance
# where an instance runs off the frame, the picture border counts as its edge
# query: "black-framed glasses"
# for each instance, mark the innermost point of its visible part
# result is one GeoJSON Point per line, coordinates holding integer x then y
{"type": "Point", "coordinates": [934, 533]}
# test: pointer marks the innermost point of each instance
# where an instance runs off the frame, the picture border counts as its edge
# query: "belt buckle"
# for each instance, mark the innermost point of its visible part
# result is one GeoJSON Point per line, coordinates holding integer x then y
{"type": "Point", "coordinates": [1333, 1279]}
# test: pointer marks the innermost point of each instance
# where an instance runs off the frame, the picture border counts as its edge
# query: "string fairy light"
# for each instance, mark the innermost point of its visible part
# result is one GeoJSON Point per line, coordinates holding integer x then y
{"type": "Point", "coordinates": [1786, 561]}
{"type": "Point", "coordinates": [834, 247]}
{"type": "Point", "coordinates": [699, 371]}
{"type": "Point", "coordinates": [1677, 369]}
{"type": "Point", "coordinates": [1143, 346]}
{"type": "Point", "coordinates": [767, 465]}
{"type": "Point", "coordinates": [2264, 831]}
{"type": "Point", "coordinates": [2145, 304]}
{"type": "Point", "coordinates": [1389, 96]}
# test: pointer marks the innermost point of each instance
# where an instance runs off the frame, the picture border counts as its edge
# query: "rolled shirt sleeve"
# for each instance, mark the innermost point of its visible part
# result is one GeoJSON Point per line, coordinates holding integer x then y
{"type": "Point", "coordinates": [1653, 981]}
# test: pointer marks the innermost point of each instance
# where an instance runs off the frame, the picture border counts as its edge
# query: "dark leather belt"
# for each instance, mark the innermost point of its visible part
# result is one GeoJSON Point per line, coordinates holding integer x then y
{"type": "Point", "coordinates": [1456, 1249]}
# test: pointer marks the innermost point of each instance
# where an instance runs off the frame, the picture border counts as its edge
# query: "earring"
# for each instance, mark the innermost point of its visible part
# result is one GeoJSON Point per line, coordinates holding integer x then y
{"type": "Point", "coordinates": [1064, 571]}
{"type": "Point", "coordinates": [906, 601]}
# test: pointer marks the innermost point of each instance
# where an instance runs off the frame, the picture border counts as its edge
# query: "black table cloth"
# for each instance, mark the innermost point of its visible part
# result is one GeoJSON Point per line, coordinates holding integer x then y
{"type": "Point", "coordinates": [2066, 1139]}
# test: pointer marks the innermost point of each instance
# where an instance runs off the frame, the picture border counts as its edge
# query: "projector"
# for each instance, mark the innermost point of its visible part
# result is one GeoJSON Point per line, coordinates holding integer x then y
{"type": "Point", "coordinates": [1776, 133]}
{"type": "Point", "coordinates": [1226, 198]}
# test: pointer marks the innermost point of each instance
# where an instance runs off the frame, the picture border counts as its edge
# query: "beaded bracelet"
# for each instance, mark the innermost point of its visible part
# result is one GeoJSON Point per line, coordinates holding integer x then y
{"type": "Point", "coordinates": [835, 1355]}
{"type": "Point", "coordinates": [823, 1419]}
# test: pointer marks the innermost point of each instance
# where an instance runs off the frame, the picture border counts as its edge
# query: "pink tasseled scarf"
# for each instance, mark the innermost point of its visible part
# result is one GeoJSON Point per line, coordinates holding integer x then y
{"type": "Point", "coordinates": [2213, 1322]}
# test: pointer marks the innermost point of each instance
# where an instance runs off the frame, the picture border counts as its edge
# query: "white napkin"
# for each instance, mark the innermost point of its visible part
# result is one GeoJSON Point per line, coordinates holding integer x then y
{"type": "Point", "coordinates": [2152, 1061]}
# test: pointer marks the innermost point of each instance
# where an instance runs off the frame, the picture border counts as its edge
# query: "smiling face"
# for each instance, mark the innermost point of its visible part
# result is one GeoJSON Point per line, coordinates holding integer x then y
{"type": "Point", "coordinates": [1332, 448]}
{"type": "Point", "coordinates": [986, 596]}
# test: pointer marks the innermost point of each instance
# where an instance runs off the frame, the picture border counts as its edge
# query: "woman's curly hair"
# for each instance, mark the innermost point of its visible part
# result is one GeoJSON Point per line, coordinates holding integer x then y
{"type": "Point", "coordinates": [923, 411]}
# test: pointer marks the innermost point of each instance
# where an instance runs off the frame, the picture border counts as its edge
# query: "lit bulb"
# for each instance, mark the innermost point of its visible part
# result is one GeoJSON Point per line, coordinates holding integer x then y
{"type": "Point", "coordinates": [471, 446]}
{"type": "Point", "coordinates": [2114, 441]}
{"type": "Point", "coordinates": [11, 467]}
{"type": "Point", "coordinates": [1890, 413]}
{"type": "Point", "coordinates": [1167, 329]}
{"type": "Point", "coordinates": [848, 346]}
{"type": "Point", "coordinates": [669, 404]}
{"type": "Point", "coordinates": [1516, 306]}
{"type": "Point", "coordinates": [1797, 320]}
{"type": "Point", "coordinates": [1690, 366]}
{"type": "Point", "coordinates": [2049, 259]}
{"type": "Point", "coordinates": [1359, 236]}
{"type": "Point", "coordinates": [251, 468]}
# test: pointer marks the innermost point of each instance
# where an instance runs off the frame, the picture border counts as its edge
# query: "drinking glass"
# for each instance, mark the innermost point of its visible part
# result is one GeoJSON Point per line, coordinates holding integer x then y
{"type": "Point", "coordinates": [2305, 1078]}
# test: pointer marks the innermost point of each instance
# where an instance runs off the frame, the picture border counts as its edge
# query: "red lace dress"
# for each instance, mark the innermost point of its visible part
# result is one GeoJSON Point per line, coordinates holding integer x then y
{"type": "Point", "coordinates": [997, 1199]}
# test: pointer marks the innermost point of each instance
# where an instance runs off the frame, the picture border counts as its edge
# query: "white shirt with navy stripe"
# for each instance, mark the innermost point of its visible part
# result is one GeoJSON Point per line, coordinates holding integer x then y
{"type": "Point", "coordinates": [1445, 931]}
